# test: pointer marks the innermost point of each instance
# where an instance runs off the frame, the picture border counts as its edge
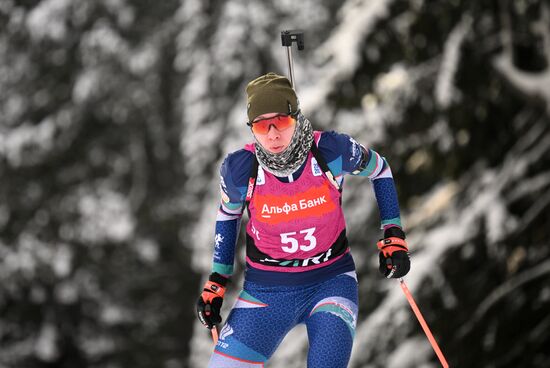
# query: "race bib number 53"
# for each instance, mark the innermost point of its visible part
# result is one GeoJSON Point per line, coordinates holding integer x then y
{"type": "Point", "coordinates": [294, 245]}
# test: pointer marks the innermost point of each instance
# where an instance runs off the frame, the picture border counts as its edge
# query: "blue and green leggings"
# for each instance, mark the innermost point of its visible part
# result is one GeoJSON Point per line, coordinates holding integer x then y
{"type": "Point", "coordinates": [264, 314]}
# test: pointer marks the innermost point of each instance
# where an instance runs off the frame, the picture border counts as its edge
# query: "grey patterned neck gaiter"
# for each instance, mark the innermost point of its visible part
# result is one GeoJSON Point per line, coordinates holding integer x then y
{"type": "Point", "coordinates": [288, 161]}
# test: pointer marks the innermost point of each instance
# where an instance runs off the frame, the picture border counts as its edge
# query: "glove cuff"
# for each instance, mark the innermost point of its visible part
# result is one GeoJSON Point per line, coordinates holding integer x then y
{"type": "Point", "coordinates": [218, 279]}
{"type": "Point", "coordinates": [394, 231]}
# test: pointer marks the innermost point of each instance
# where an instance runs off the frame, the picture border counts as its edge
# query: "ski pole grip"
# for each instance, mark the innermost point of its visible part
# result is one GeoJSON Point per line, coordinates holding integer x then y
{"type": "Point", "coordinates": [288, 37]}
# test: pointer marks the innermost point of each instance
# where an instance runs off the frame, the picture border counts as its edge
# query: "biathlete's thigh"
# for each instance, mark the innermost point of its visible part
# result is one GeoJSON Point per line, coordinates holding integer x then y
{"type": "Point", "coordinates": [331, 320]}
{"type": "Point", "coordinates": [258, 322]}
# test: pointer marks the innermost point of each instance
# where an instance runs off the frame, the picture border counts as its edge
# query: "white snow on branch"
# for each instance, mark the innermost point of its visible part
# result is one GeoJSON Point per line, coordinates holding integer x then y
{"type": "Point", "coordinates": [103, 41]}
{"type": "Point", "coordinates": [28, 254]}
{"type": "Point", "coordinates": [28, 142]}
{"type": "Point", "coordinates": [87, 85]}
{"type": "Point", "coordinates": [483, 202]}
{"type": "Point", "coordinates": [46, 346]}
{"type": "Point", "coordinates": [505, 289]}
{"type": "Point", "coordinates": [532, 85]}
{"type": "Point", "coordinates": [341, 53]}
{"type": "Point", "coordinates": [48, 19]}
{"type": "Point", "coordinates": [393, 93]}
{"type": "Point", "coordinates": [105, 216]}
{"type": "Point", "coordinates": [444, 88]}
{"type": "Point", "coordinates": [412, 353]}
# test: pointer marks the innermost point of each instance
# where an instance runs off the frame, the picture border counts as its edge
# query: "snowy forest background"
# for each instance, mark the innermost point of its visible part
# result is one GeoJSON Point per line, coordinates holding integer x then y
{"type": "Point", "coordinates": [116, 114]}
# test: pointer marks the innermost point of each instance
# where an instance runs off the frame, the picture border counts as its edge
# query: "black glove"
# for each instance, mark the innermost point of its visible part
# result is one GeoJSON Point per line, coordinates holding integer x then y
{"type": "Point", "coordinates": [394, 256]}
{"type": "Point", "coordinates": [211, 300]}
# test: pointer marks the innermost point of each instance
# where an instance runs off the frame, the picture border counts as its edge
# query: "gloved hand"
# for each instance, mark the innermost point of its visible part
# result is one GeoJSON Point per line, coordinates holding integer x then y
{"type": "Point", "coordinates": [394, 256]}
{"type": "Point", "coordinates": [211, 299]}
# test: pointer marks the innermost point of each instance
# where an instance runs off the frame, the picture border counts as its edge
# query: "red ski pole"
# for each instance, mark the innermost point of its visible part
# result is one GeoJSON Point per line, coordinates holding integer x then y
{"type": "Point", "coordinates": [423, 324]}
{"type": "Point", "coordinates": [214, 331]}
{"type": "Point", "coordinates": [214, 328]}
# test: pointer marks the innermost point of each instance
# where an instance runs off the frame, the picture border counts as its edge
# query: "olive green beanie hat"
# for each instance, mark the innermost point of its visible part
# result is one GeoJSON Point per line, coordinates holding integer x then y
{"type": "Point", "coordinates": [270, 93]}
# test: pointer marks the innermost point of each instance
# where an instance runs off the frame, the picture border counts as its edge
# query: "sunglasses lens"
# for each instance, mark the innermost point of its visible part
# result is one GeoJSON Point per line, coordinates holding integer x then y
{"type": "Point", "coordinates": [260, 127]}
{"type": "Point", "coordinates": [280, 122]}
{"type": "Point", "coordinates": [284, 122]}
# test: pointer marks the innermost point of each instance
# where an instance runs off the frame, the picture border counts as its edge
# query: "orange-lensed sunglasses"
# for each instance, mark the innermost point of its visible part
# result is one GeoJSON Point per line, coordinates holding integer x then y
{"type": "Point", "coordinates": [281, 122]}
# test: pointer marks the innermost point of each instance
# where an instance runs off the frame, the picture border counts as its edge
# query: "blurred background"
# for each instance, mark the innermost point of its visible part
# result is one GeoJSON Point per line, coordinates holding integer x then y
{"type": "Point", "coordinates": [115, 116]}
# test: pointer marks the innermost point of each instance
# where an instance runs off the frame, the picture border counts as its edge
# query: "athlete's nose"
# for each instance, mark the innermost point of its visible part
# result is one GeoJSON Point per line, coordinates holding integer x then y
{"type": "Point", "coordinates": [273, 132]}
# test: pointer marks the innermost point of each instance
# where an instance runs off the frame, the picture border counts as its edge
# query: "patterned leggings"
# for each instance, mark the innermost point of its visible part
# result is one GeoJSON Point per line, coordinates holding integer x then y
{"type": "Point", "coordinates": [263, 315]}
